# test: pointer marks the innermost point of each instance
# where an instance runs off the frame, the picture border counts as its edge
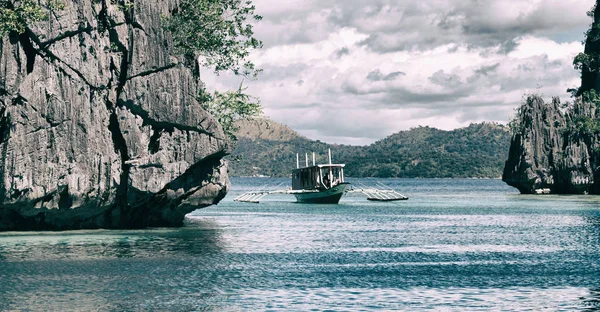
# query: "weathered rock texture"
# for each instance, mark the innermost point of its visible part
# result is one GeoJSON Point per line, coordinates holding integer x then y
{"type": "Point", "coordinates": [554, 150]}
{"type": "Point", "coordinates": [99, 127]}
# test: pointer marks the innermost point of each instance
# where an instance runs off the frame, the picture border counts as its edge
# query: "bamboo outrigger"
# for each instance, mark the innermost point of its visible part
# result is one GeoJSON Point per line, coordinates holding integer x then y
{"type": "Point", "coordinates": [321, 184]}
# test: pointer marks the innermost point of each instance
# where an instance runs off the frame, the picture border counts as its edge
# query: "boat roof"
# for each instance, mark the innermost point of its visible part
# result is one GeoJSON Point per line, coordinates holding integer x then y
{"type": "Point", "coordinates": [323, 166]}
{"type": "Point", "coordinates": [331, 165]}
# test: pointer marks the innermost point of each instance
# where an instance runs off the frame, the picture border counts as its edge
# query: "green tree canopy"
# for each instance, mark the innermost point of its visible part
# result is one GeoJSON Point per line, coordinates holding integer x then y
{"type": "Point", "coordinates": [15, 16]}
{"type": "Point", "coordinates": [219, 32]}
{"type": "Point", "coordinates": [216, 30]}
{"type": "Point", "coordinates": [588, 61]}
{"type": "Point", "coordinates": [231, 106]}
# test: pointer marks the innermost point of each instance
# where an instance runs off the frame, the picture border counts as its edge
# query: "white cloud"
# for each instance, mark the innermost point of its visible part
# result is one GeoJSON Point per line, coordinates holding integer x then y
{"type": "Point", "coordinates": [356, 71]}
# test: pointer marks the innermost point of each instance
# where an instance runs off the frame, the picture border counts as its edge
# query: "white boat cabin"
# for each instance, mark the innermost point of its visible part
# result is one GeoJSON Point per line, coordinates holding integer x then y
{"type": "Point", "coordinates": [317, 177]}
{"type": "Point", "coordinates": [320, 184]}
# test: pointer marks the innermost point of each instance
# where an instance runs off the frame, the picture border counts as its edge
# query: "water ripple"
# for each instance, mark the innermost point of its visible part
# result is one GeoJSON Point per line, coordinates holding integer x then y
{"type": "Point", "coordinates": [456, 245]}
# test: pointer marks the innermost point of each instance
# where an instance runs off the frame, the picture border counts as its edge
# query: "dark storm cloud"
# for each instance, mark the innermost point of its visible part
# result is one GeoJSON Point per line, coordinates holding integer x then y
{"type": "Point", "coordinates": [408, 98]}
{"type": "Point", "coordinates": [531, 72]}
{"type": "Point", "coordinates": [443, 79]}
{"type": "Point", "coordinates": [553, 78]}
{"type": "Point", "coordinates": [428, 24]}
{"type": "Point", "coordinates": [486, 70]}
{"type": "Point", "coordinates": [473, 107]}
{"type": "Point", "coordinates": [402, 96]}
{"type": "Point", "coordinates": [339, 127]}
{"type": "Point", "coordinates": [420, 25]}
{"type": "Point", "coordinates": [341, 52]}
{"type": "Point", "coordinates": [376, 75]}
{"type": "Point", "coordinates": [508, 46]}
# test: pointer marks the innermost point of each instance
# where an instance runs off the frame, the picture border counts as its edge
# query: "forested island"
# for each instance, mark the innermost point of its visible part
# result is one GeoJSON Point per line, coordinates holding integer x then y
{"type": "Point", "coordinates": [268, 148]}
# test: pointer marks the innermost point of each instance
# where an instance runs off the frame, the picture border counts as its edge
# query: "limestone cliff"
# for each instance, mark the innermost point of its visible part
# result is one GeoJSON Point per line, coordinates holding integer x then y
{"type": "Point", "coordinates": [554, 149]}
{"type": "Point", "coordinates": [99, 126]}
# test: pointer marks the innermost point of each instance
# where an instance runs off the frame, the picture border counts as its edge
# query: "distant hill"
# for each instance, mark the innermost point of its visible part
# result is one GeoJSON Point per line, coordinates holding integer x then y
{"type": "Point", "coordinates": [268, 148]}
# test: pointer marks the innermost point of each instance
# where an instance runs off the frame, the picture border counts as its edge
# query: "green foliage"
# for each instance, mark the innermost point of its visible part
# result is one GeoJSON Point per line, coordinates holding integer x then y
{"type": "Point", "coordinates": [229, 107]}
{"type": "Point", "coordinates": [123, 5]}
{"type": "Point", "coordinates": [476, 151]}
{"type": "Point", "coordinates": [522, 119]}
{"type": "Point", "coordinates": [593, 27]}
{"type": "Point", "coordinates": [591, 96]}
{"type": "Point", "coordinates": [16, 16]}
{"type": "Point", "coordinates": [590, 12]}
{"type": "Point", "coordinates": [589, 62]}
{"type": "Point", "coordinates": [584, 126]}
{"type": "Point", "coordinates": [516, 124]}
{"type": "Point", "coordinates": [218, 31]}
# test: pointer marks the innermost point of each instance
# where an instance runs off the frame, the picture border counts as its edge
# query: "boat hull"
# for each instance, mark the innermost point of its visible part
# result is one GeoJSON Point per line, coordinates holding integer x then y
{"type": "Point", "coordinates": [386, 199]}
{"type": "Point", "coordinates": [329, 196]}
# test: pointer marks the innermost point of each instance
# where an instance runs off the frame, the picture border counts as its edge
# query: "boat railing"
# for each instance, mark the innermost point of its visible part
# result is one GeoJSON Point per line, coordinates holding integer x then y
{"type": "Point", "coordinates": [378, 194]}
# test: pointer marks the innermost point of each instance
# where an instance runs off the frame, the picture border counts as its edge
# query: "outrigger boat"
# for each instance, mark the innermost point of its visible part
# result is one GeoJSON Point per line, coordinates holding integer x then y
{"type": "Point", "coordinates": [321, 184]}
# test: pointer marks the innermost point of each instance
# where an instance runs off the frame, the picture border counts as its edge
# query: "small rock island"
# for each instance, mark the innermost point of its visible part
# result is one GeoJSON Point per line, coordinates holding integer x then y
{"type": "Point", "coordinates": [555, 148]}
{"type": "Point", "coordinates": [99, 124]}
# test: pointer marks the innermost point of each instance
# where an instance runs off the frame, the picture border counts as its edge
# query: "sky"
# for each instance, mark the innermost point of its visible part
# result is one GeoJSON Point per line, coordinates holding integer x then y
{"type": "Point", "coordinates": [356, 71]}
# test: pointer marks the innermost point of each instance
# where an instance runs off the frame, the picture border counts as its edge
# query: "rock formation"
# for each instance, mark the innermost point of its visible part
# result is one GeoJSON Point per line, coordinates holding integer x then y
{"type": "Point", "coordinates": [554, 150]}
{"type": "Point", "coordinates": [99, 125]}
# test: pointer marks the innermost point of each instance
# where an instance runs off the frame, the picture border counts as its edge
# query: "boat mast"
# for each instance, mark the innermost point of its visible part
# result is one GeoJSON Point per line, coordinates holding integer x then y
{"type": "Point", "coordinates": [306, 158]}
{"type": "Point", "coordinates": [320, 172]}
{"type": "Point", "coordinates": [330, 171]}
{"type": "Point", "coordinates": [297, 161]}
{"type": "Point", "coordinates": [313, 158]}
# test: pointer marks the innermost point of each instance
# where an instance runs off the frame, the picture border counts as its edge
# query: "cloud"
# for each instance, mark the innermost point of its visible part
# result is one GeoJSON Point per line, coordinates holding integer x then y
{"type": "Point", "coordinates": [341, 52]}
{"type": "Point", "coordinates": [422, 25]}
{"type": "Point", "coordinates": [445, 80]}
{"type": "Point", "coordinates": [280, 71]}
{"type": "Point", "coordinates": [354, 71]}
{"type": "Point", "coordinates": [486, 70]}
{"type": "Point", "coordinates": [376, 75]}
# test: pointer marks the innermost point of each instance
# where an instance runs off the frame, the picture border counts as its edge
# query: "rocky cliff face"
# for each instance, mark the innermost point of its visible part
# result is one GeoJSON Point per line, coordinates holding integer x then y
{"type": "Point", "coordinates": [99, 127]}
{"type": "Point", "coordinates": [554, 150]}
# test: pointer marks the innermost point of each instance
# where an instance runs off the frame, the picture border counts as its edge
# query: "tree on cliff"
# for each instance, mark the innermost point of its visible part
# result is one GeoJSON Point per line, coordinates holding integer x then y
{"type": "Point", "coordinates": [230, 107]}
{"type": "Point", "coordinates": [15, 16]}
{"type": "Point", "coordinates": [217, 31]}
{"type": "Point", "coordinates": [588, 61]}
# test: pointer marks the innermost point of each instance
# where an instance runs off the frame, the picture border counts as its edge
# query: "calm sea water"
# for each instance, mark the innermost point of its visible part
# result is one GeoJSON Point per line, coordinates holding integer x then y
{"type": "Point", "coordinates": [456, 245]}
